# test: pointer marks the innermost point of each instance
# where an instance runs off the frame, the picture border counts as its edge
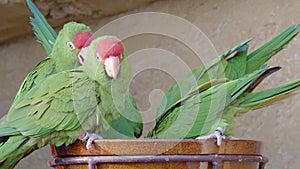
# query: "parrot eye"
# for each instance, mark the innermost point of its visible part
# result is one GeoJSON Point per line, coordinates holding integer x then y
{"type": "Point", "coordinates": [71, 46]}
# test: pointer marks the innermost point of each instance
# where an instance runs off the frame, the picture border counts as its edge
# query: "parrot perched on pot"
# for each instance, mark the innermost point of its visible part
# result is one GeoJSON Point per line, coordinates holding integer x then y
{"type": "Point", "coordinates": [65, 55]}
{"type": "Point", "coordinates": [47, 36]}
{"type": "Point", "coordinates": [72, 104]}
{"type": "Point", "coordinates": [231, 65]}
{"type": "Point", "coordinates": [216, 106]}
{"type": "Point", "coordinates": [200, 113]}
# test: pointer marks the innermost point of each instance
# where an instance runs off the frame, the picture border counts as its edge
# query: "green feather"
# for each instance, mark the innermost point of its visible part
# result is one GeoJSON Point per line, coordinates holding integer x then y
{"type": "Point", "coordinates": [233, 64]}
{"type": "Point", "coordinates": [42, 29]}
{"type": "Point", "coordinates": [275, 45]}
{"type": "Point", "coordinates": [62, 58]}
{"type": "Point", "coordinates": [254, 100]}
{"type": "Point", "coordinates": [227, 66]}
{"type": "Point", "coordinates": [129, 125]}
{"type": "Point", "coordinates": [202, 113]}
{"type": "Point", "coordinates": [216, 69]}
{"type": "Point", "coordinates": [65, 105]}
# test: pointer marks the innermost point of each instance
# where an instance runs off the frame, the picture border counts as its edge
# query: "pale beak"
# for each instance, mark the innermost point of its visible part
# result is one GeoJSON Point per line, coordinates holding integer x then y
{"type": "Point", "coordinates": [81, 55]}
{"type": "Point", "coordinates": [112, 66]}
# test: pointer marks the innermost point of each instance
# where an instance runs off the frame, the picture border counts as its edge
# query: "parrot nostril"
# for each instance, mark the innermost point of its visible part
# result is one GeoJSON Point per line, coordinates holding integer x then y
{"type": "Point", "coordinates": [98, 57]}
{"type": "Point", "coordinates": [81, 58]}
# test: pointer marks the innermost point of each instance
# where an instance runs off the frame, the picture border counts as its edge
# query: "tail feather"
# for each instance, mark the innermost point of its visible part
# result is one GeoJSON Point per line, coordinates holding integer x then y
{"type": "Point", "coordinates": [263, 98]}
{"type": "Point", "coordinates": [42, 29]}
{"type": "Point", "coordinates": [261, 55]}
{"type": "Point", "coordinates": [262, 77]}
{"type": "Point", "coordinates": [14, 149]}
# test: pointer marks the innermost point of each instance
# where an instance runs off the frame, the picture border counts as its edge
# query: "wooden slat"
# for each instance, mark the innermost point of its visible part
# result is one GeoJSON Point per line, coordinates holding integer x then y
{"type": "Point", "coordinates": [167, 147]}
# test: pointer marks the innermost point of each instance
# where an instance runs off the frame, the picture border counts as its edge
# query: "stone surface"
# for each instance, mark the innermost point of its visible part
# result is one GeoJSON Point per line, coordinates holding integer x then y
{"type": "Point", "coordinates": [226, 23]}
{"type": "Point", "coordinates": [15, 24]}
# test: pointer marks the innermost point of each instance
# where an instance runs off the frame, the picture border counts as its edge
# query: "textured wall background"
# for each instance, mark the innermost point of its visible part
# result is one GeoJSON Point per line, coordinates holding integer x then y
{"type": "Point", "coordinates": [226, 23]}
{"type": "Point", "coordinates": [57, 13]}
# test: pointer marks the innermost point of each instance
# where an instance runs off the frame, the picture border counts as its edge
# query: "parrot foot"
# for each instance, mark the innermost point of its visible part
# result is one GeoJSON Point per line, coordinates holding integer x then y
{"type": "Point", "coordinates": [90, 138]}
{"type": "Point", "coordinates": [218, 134]}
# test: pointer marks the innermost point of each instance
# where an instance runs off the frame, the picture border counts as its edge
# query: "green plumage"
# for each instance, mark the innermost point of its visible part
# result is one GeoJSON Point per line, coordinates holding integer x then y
{"type": "Point", "coordinates": [43, 31]}
{"type": "Point", "coordinates": [255, 100]}
{"type": "Point", "coordinates": [60, 59]}
{"type": "Point", "coordinates": [233, 64]}
{"type": "Point", "coordinates": [65, 105]}
{"type": "Point", "coordinates": [201, 113]}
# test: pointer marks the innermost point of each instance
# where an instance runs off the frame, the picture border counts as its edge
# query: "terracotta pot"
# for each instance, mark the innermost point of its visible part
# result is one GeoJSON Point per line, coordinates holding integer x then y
{"type": "Point", "coordinates": [165, 154]}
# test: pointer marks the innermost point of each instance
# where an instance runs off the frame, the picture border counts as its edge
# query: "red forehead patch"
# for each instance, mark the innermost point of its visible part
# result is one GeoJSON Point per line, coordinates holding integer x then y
{"type": "Point", "coordinates": [82, 39]}
{"type": "Point", "coordinates": [109, 47]}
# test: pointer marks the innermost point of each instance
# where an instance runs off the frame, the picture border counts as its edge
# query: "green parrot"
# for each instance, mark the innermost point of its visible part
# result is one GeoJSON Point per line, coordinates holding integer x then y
{"type": "Point", "coordinates": [201, 113]}
{"type": "Point", "coordinates": [44, 32]}
{"type": "Point", "coordinates": [73, 104]}
{"type": "Point", "coordinates": [66, 54]}
{"type": "Point", "coordinates": [231, 65]}
{"type": "Point", "coordinates": [47, 36]}
{"type": "Point", "coordinates": [216, 105]}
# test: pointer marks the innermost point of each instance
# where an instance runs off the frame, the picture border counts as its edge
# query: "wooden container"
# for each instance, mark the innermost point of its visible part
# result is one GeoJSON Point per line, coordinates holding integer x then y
{"type": "Point", "coordinates": [160, 154]}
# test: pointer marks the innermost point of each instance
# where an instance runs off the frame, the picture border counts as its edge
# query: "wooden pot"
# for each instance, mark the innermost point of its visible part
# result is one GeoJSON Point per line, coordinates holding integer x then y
{"type": "Point", "coordinates": [161, 154]}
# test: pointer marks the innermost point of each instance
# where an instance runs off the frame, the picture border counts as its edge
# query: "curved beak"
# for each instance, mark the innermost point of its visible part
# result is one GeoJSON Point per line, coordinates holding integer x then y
{"type": "Point", "coordinates": [112, 66]}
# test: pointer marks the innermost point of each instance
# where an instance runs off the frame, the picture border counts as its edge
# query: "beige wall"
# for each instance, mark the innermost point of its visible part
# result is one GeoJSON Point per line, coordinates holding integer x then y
{"type": "Point", "coordinates": [226, 23]}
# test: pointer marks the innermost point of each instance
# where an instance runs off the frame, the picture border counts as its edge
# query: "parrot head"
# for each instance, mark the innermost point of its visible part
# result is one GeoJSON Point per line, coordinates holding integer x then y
{"type": "Point", "coordinates": [73, 38]}
{"type": "Point", "coordinates": [108, 51]}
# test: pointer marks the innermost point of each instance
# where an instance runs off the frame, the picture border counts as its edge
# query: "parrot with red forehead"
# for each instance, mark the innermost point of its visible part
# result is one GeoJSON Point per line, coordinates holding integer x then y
{"type": "Point", "coordinates": [73, 38]}
{"type": "Point", "coordinates": [63, 49]}
{"type": "Point", "coordinates": [45, 33]}
{"type": "Point", "coordinates": [65, 54]}
{"type": "Point", "coordinates": [83, 103]}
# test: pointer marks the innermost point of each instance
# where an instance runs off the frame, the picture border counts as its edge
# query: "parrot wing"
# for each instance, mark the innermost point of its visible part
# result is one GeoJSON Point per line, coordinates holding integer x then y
{"type": "Point", "coordinates": [50, 107]}
{"type": "Point", "coordinates": [202, 113]}
{"type": "Point", "coordinates": [129, 125]}
{"type": "Point", "coordinates": [216, 69]}
{"type": "Point", "coordinates": [44, 114]}
{"type": "Point", "coordinates": [232, 64]}
{"type": "Point", "coordinates": [37, 75]}
{"type": "Point", "coordinates": [6, 129]}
